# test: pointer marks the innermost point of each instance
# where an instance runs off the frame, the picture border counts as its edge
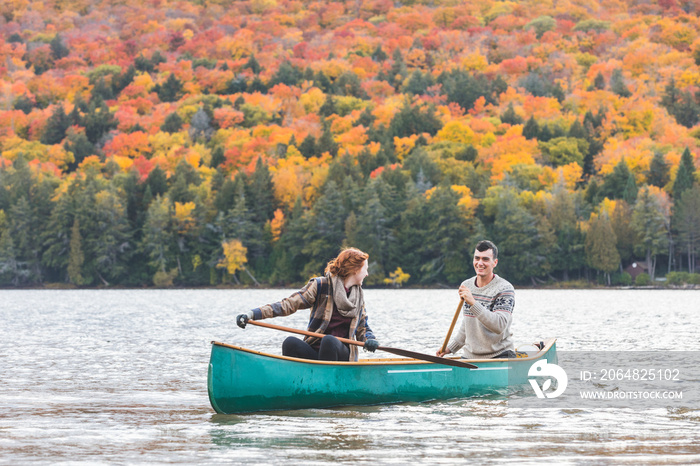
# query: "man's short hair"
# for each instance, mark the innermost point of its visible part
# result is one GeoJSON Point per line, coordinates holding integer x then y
{"type": "Point", "coordinates": [485, 245]}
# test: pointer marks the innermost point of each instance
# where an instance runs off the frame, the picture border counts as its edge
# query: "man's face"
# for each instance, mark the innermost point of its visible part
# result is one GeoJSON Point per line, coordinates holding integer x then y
{"type": "Point", "coordinates": [484, 263]}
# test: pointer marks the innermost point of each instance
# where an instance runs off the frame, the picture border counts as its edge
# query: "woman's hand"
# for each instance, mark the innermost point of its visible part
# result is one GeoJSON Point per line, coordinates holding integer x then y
{"type": "Point", "coordinates": [371, 345]}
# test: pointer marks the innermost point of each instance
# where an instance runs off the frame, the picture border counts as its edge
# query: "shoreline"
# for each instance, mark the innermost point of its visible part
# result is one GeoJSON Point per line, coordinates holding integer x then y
{"type": "Point", "coordinates": [69, 287]}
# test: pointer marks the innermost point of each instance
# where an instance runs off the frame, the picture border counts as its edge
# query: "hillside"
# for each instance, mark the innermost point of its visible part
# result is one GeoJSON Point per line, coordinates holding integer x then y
{"type": "Point", "coordinates": [209, 142]}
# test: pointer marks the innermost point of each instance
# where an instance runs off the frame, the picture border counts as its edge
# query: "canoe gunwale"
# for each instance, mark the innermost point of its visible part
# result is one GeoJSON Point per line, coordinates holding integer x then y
{"type": "Point", "coordinates": [384, 361]}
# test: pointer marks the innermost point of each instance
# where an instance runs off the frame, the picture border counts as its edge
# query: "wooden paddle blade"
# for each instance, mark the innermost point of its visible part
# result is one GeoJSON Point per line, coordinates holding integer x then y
{"type": "Point", "coordinates": [428, 357]}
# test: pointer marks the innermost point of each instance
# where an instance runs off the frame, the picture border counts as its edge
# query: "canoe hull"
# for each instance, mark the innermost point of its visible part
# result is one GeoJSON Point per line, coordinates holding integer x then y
{"type": "Point", "coordinates": [242, 380]}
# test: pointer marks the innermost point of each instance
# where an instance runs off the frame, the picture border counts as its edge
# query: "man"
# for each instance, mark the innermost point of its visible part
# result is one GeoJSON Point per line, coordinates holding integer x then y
{"type": "Point", "coordinates": [488, 310]}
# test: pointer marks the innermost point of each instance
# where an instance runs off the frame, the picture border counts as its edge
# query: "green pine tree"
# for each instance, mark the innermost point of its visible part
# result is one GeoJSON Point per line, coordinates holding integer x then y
{"type": "Point", "coordinates": [658, 174]}
{"type": "Point", "coordinates": [685, 176]}
{"type": "Point", "coordinates": [687, 222]}
{"type": "Point", "coordinates": [531, 130]}
{"type": "Point", "coordinates": [56, 126]}
{"type": "Point", "coordinates": [76, 257]}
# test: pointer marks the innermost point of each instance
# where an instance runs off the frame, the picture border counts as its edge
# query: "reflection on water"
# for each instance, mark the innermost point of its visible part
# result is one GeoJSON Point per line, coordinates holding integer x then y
{"type": "Point", "coordinates": [120, 377]}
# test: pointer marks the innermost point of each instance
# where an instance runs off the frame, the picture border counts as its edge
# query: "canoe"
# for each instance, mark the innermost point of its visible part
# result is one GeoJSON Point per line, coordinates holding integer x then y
{"type": "Point", "coordinates": [242, 380]}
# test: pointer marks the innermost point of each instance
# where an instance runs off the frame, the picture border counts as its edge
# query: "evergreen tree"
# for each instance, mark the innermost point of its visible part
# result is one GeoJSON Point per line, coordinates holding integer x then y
{"type": "Point", "coordinates": [101, 91]}
{"type": "Point", "coordinates": [237, 85]}
{"type": "Point", "coordinates": [108, 241]}
{"type": "Point", "coordinates": [464, 89]}
{"type": "Point", "coordinates": [577, 131]}
{"type": "Point", "coordinates": [650, 221]}
{"type": "Point", "coordinates": [158, 237]}
{"type": "Point", "coordinates": [322, 82]}
{"type": "Point", "coordinates": [260, 194]}
{"type": "Point", "coordinates": [687, 222]}
{"type": "Point", "coordinates": [257, 85]}
{"type": "Point", "coordinates": [287, 74]}
{"type": "Point", "coordinates": [78, 144]}
{"type": "Point", "coordinates": [10, 269]}
{"type": "Point", "coordinates": [326, 143]}
{"type": "Point", "coordinates": [58, 48]}
{"type": "Point", "coordinates": [615, 184]}
{"type": "Point", "coordinates": [157, 181]}
{"type": "Point", "coordinates": [56, 127]}
{"type": "Point", "coordinates": [308, 146]}
{"type": "Point", "coordinates": [25, 228]}
{"type": "Point", "coordinates": [510, 117]}
{"type": "Point", "coordinates": [328, 107]}
{"type": "Point", "coordinates": [599, 81]}
{"type": "Point", "coordinates": [120, 81]}
{"type": "Point", "coordinates": [170, 90]}
{"type": "Point", "coordinates": [76, 258]}
{"type": "Point", "coordinates": [567, 256]}
{"type": "Point", "coordinates": [629, 194]}
{"type": "Point", "coordinates": [172, 124]}
{"type": "Point", "coordinates": [217, 157]}
{"type": "Point", "coordinates": [418, 83]}
{"type": "Point", "coordinates": [617, 84]}
{"type": "Point", "coordinates": [228, 194]}
{"type": "Point", "coordinates": [349, 84]}
{"type": "Point", "coordinates": [366, 118]}
{"type": "Point", "coordinates": [685, 176]}
{"type": "Point", "coordinates": [253, 65]}
{"type": "Point", "coordinates": [658, 174]}
{"type": "Point", "coordinates": [24, 103]}
{"type": "Point", "coordinates": [379, 54]}
{"type": "Point", "coordinates": [681, 105]}
{"type": "Point", "coordinates": [412, 120]}
{"type": "Point", "coordinates": [98, 122]}
{"type": "Point", "coordinates": [545, 133]}
{"type": "Point", "coordinates": [438, 232]}
{"type": "Point", "coordinates": [531, 130]}
{"type": "Point", "coordinates": [398, 69]}
{"type": "Point", "coordinates": [325, 227]}
{"type": "Point", "coordinates": [142, 63]}
{"type": "Point", "coordinates": [373, 232]}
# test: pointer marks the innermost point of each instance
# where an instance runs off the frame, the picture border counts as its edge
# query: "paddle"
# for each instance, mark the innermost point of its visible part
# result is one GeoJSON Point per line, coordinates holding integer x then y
{"type": "Point", "coordinates": [400, 352]}
{"type": "Point", "coordinates": [452, 326]}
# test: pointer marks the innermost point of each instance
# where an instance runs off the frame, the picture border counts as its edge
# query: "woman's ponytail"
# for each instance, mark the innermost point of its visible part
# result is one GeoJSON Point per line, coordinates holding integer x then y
{"type": "Point", "coordinates": [348, 262]}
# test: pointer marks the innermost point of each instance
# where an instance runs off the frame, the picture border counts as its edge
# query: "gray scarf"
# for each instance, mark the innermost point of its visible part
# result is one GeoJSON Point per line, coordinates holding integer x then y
{"type": "Point", "coordinates": [348, 306]}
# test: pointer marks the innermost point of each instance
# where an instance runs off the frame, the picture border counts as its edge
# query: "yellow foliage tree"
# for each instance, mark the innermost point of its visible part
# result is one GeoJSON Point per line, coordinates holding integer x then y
{"type": "Point", "coordinates": [234, 256]}
{"type": "Point", "coordinates": [397, 278]}
{"type": "Point", "coordinates": [456, 131]}
{"type": "Point", "coordinates": [184, 220]}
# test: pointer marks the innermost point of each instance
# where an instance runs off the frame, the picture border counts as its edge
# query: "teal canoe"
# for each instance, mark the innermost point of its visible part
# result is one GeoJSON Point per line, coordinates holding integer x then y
{"type": "Point", "coordinates": [241, 380]}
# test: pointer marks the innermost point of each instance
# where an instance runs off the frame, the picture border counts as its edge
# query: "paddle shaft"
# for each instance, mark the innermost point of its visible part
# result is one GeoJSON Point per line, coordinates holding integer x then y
{"type": "Point", "coordinates": [452, 326]}
{"type": "Point", "coordinates": [397, 351]}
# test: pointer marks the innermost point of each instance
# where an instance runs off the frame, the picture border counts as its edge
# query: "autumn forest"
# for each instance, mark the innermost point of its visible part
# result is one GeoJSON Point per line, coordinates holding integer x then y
{"type": "Point", "coordinates": [215, 142]}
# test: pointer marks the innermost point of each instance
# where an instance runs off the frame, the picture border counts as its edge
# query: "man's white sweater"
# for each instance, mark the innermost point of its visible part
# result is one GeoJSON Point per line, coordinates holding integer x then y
{"type": "Point", "coordinates": [485, 328]}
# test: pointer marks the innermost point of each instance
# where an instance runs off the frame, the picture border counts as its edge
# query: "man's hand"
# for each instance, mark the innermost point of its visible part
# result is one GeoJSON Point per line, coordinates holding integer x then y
{"type": "Point", "coordinates": [466, 295]}
{"type": "Point", "coordinates": [441, 353]}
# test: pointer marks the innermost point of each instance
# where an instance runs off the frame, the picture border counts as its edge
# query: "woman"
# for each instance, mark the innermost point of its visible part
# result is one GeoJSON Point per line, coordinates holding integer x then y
{"type": "Point", "coordinates": [338, 310]}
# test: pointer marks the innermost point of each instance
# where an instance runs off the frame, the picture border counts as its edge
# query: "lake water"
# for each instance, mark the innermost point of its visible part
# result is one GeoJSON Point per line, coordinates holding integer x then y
{"type": "Point", "coordinates": [120, 377]}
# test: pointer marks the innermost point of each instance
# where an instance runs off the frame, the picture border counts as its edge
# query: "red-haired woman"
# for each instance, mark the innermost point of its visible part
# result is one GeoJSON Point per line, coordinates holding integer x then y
{"type": "Point", "coordinates": [338, 310]}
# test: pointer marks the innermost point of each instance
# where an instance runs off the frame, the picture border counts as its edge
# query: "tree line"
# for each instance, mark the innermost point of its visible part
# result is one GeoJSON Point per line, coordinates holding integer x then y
{"type": "Point", "coordinates": [106, 227]}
